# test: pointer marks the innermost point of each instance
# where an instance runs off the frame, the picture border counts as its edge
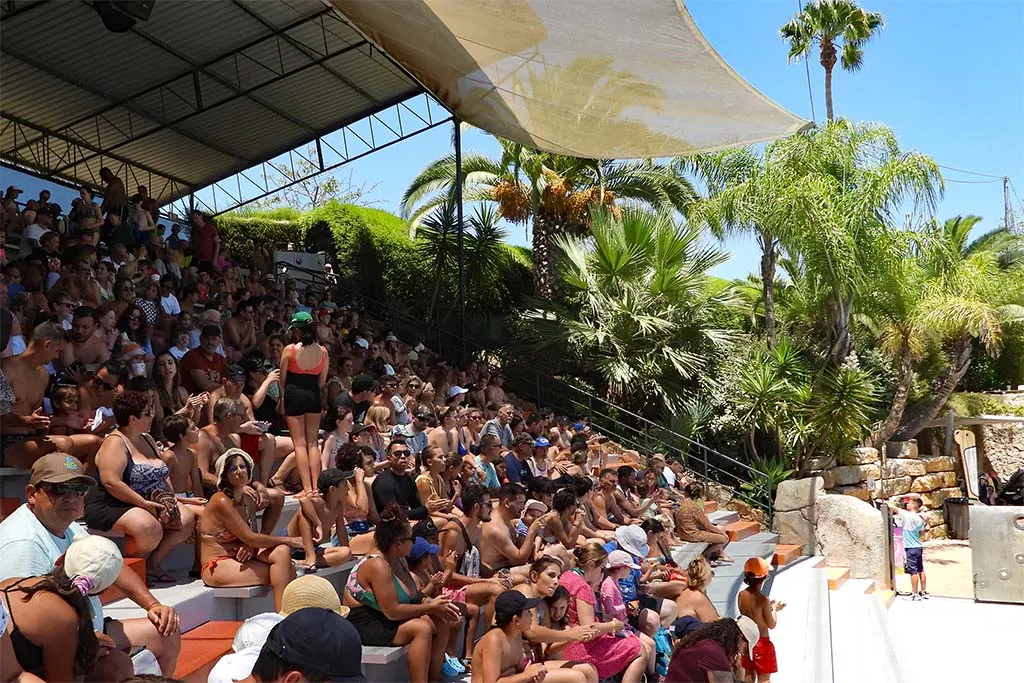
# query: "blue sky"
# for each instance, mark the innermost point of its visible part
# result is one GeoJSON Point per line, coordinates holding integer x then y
{"type": "Point", "coordinates": [946, 75]}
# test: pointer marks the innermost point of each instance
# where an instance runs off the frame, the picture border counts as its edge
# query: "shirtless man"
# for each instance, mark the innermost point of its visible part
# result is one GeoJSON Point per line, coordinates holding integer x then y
{"type": "Point", "coordinates": [240, 331]}
{"type": "Point", "coordinates": [494, 392]}
{"type": "Point", "coordinates": [462, 535]}
{"type": "Point", "coordinates": [499, 656]}
{"type": "Point", "coordinates": [756, 605]}
{"type": "Point", "coordinates": [183, 470]}
{"type": "Point", "coordinates": [23, 431]}
{"type": "Point", "coordinates": [85, 346]}
{"type": "Point", "coordinates": [603, 504]}
{"type": "Point", "coordinates": [625, 494]}
{"type": "Point", "coordinates": [501, 547]}
{"type": "Point", "coordinates": [216, 438]}
{"type": "Point", "coordinates": [318, 517]}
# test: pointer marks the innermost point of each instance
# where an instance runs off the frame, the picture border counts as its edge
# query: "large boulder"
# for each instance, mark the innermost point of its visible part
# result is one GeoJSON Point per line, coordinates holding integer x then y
{"type": "Point", "coordinates": [796, 528]}
{"type": "Point", "coordinates": [847, 475]}
{"type": "Point", "coordinates": [871, 471]}
{"type": "Point", "coordinates": [935, 533]}
{"type": "Point", "coordinates": [859, 456]}
{"type": "Point", "coordinates": [887, 488]}
{"type": "Point", "coordinates": [934, 481]}
{"type": "Point", "coordinates": [933, 518]}
{"type": "Point", "coordinates": [796, 494]}
{"type": "Point", "coordinates": [858, 492]}
{"type": "Point", "coordinates": [901, 449]}
{"type": "Point", "coordinates": [850, 533]}
{"type": "Point", "coordinates": [934, 499]}
{"type": "Point", "coordinates": [938, 463]}
{"type": "Point", "coordinates": [904, 467]}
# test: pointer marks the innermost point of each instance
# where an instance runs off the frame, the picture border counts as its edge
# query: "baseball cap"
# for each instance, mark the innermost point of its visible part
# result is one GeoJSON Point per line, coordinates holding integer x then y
{"type": "Point", "coordinates": [59, 468]}
{"type": "Point", "coordinates": [421, 547]}
{"type": "Point", "coordinates": [318, 642]}
{"type": "Point", "coordinates": [359, 428]}
{"type": "Point", "coordinates": [390, 338]}
{"type": "Point", "coordinates": [633, 540]}
{"type": "Point", "coordinates": [541, 442]}
{"type": "Point", "coordinates": [423, 413]}
{"type": "Point", "coordinates": [311, 591]}
{"type": "Point", "coordinates": [454, 391]}
{"type": "Point", "coordinates": [514, 602]}
{"type": "Point", "coordinates": [300, 319]}
{"type": "Point", "coordinates": [323, 311]}
{"type": "Point", "coordinates": [254, 631]}
{"type": "Point", "coordinates": [92, 563]}
{"type": "Point", "coordinates": [620, 558]}
{"type": "Point", "coordinates": [534, 504]}
{"type": "Point", "coordinates": [12, 188]}
{"type": "Point", "coordinates": [235, 373]}
{"type": "Point", "coordinates": [362, 343]}
{"type": "Point", "coordinates": [758, 567]}
{"type": "Point", "coordinates": [424, 527]}
{"type": "Point", "coordinates": [579, 427]}
{"type": "Point", "coordinates": [751, 632]}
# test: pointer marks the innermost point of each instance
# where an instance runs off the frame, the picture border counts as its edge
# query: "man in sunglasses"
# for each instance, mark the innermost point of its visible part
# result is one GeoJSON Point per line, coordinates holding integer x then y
{"type": "Point", "coordinates": [396, 484]}
{"type": "Point", "coordinates": [38, 533]}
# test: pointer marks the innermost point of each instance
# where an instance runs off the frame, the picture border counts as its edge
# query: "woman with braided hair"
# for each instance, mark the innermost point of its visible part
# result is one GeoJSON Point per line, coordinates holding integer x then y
{"type": "Point", "coordinates": [48, 613]}
{"type": "Point", "coordinates": [711, 649]}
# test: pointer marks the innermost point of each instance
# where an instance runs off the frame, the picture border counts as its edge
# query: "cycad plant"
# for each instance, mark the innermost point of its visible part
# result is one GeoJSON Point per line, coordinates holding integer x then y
{"type": "Point", "coordinates": [638, 314]}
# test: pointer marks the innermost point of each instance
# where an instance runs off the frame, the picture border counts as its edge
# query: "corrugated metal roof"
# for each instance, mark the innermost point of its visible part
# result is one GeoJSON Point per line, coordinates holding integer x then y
{"type": "Point", "coordinates": [199, 91]}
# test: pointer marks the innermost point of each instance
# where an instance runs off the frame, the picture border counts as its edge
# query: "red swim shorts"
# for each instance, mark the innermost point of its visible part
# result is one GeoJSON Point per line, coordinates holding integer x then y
{"type": "Point", "coordinates": [764, 658]}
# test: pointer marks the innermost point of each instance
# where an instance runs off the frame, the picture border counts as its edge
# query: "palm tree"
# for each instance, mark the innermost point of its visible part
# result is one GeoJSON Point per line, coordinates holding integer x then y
{"type": "Point", "coordinates": [639, 315]}
{"type": "Point", "coordinates": [967, 298]}
{"type": "Point", "coordinates": [553, 193]}
{"type": "Point", "coordinates": [829, 23]}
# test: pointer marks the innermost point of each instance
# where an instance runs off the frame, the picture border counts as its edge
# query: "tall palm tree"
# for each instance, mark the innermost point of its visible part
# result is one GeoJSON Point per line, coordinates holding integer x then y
{"type": "Point", "coordinates": [553, 193]}
{"type": "Point", "coordinates": [638, 314]}
{"type": "Point", "coordinates": [832, 25]}
{"type": "Point", "coordinates": [967, 298]}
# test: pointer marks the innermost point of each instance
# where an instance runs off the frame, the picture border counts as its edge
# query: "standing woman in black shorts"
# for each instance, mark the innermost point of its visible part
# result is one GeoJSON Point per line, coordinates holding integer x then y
{"type": "Point", "coordinates": [304, 378]}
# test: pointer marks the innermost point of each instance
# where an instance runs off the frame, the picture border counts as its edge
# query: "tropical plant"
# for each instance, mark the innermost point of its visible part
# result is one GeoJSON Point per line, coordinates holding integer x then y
{"type": "Point", "coordinates": [829, 24]}
{"type": "Point", "coordinates": [774, 471]}
{"type": "Point", "coordinates": [552, 193]}
{"type": "Point", "coordinates": [636, 309]}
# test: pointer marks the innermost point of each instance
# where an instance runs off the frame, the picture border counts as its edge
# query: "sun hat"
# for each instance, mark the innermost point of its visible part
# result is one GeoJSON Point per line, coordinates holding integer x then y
{"type": "Point", "coordinates": [92, 563]}
{"type": "Point", "coordinates": [58, 468]}
{"type": "Point", "coordinates": [320, 643]}
{"type": "Point", "coordinates": [310, 590]}
{"type": "Point", "coordinates": [222, 461]}
{"type": "Point", "coordinates": [620, 558]}
{"type": "Point", "coordinates": [455, 390]}
{"type": "Point", "coordinates": [633, 540]}
{"type": "Point", "coordinates": [421, 547]}
{"type": "Point", "coordinates": [757, 567]}
{"type": "Point", "coordinates": [300, 319]}
{"type": "Point", "coordinates": [750, 631]}
{"type": "Point", "coordinates": [534, 504]}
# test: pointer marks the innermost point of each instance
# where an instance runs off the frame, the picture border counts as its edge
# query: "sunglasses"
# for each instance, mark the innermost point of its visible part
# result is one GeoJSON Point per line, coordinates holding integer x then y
{"type": "Point", "coordinates": [107, 387]}
{"type": "Point", "coordinates": [401, 454]}
{"type": "Point", "coordinates": [61, 490]}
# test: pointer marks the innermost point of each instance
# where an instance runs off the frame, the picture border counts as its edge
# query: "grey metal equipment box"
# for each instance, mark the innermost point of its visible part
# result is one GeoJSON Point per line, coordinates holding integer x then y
{"type": "Point", "coordinates": [997, 553]}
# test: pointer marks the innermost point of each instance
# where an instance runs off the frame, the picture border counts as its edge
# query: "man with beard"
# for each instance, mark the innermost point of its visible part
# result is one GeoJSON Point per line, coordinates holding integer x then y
{"type": "Point", "coordinates": [224, 433]}
{"type": "Point", "coordinates": [501, 547]}
{"type": "Point", "coordinates": [23, 431]}
{"type": "Point", "coordinates": [462, 535]}
{"type": "Point", "coordinates": [85, 346]}
{"type": "Point", "coordinates": [396, 485]}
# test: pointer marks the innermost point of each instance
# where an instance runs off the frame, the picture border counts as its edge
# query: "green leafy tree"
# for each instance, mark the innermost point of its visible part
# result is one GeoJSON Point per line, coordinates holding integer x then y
{"type": "Point", "coordinates": [832, 25]}
{"type": "Point", "coordinates": [638, 310]}
{"type": "Point", "coordinates": [553, 194]}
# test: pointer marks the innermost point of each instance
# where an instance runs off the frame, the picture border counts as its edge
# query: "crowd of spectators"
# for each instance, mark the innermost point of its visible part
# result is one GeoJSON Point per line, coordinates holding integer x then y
{"type": "Point", "coordinates": [157, 390]}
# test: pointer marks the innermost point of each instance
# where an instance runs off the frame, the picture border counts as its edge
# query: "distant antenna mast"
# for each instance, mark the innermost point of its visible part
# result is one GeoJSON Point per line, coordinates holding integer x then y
{"type": "Point", "coordinates": [1009, 219]}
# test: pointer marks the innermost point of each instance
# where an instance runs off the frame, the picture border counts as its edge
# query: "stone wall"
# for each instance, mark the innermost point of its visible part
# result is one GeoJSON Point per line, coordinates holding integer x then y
{"type": "Point", "coordinates": [1003, 447]}
{"type": "Point", "coordinates": [860, 474]}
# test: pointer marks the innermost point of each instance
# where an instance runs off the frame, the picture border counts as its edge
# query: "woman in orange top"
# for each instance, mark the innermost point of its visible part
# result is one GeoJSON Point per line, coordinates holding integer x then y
{"type": "Point", "coordinates": [304, 378]}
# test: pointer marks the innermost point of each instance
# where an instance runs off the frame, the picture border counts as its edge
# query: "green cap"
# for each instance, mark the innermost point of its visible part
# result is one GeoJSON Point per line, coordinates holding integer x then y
{"type": "Point", "coordinates": [300, 319]}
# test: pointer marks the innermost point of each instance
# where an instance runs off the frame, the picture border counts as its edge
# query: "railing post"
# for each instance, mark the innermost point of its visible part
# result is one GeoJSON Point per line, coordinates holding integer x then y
{"type": "Point", "coordinates": [707, 479]}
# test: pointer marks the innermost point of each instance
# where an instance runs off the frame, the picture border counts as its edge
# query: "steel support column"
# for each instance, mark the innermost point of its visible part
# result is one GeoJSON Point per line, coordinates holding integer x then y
{"type": "Point", "coordinates": [457, 136]}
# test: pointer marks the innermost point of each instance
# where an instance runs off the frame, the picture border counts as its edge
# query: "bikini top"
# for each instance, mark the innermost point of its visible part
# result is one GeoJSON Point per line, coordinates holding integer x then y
{"type": "Point", "coordinates": [366, 596]}
{"type": "Point", "coordinates": [294, 369]}
{"type": "Point", "coordinates": [28, 654]}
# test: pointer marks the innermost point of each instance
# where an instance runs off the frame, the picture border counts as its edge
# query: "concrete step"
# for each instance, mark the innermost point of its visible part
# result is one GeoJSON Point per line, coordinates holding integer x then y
{"type": "Point", "coordinates": [740, 530]}
{"type": "Point", "coordinates": [723, 517]}
{"type": "Point", "coordinates": [837, 576]}
{"type": "Point", "coordinates": [193, 601]}
{"type": "Point", "coordinates": [710, 506]}
{"type": "Point", "coordinates": [786, 553]}
{"type": "Point", "coordinates": [860, 638]}
{"type": "Point", "coordinates": [885, 597]}
{"type": "Point", "coordinates": [113, 594]}
{"type": "Point", "coordinates": [760, 538]}
{"type": "Point", "coordinates": [801, 634]}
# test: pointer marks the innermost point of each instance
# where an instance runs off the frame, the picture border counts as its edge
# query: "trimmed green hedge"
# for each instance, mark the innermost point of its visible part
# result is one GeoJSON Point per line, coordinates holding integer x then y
{"type": "Point", "coordinates": [972, 405]}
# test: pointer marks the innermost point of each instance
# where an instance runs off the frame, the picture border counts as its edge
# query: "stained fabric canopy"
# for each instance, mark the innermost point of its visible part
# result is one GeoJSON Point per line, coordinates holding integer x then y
{"type": "Point", "coordinates": [589, 78]}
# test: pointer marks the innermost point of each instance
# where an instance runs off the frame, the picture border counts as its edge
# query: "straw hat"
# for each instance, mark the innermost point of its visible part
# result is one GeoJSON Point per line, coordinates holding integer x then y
{"type": "Point", "coordinates": [311, 591]}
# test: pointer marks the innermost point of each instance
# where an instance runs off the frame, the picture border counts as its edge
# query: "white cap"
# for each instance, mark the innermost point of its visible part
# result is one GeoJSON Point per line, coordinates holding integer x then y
{"type": "Point", "coordinates": [620, 558]}
{"type": "Point", "coordinates": [362, 343]}
{"type": "Point", "coordinates": [388, 370]}
{"type": "Point", "coordinates": [413, 355]}
{"type": "Point", "coordinates": [455, 390]}
{"type": "Point", "coordinates": [254, 631]}
{"type": "Point", "coordinates": [92, 563]}
{"type": "Point", "coordinates": [391, 338]}
{"type": "Point", "coordinates": [534, 504]}
{"type": "Point", "coordinates": [750, 631]}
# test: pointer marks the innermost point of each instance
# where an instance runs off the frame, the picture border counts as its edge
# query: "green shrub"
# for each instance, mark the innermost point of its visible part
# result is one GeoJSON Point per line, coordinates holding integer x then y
{"type": "Point", "coordinates": [241, 232]}
{"type": "Point", "coordinates": [970, 405]}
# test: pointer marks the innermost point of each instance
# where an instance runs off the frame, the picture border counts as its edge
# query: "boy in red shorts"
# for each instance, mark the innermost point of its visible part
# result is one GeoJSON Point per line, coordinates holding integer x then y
{"type": "Point", "coordinates": [755, 605]}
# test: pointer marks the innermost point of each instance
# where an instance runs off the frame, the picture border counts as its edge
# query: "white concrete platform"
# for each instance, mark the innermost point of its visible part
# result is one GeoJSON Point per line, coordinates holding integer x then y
{"type": "Point", "coordinates": [802, 636]}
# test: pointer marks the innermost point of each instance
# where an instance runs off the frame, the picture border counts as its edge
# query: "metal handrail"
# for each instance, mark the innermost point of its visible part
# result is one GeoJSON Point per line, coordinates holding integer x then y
{"type": "Point", "coordinates": [752, 473]}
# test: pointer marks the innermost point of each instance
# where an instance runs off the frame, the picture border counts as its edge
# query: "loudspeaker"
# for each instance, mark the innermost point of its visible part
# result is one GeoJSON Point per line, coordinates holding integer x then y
{"type": "Point", "coordinates": [120, 16]}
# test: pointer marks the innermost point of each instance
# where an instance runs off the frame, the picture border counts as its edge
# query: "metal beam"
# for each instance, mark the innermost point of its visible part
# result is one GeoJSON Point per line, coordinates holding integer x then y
{"type": "Point", "coordinates": [23, 9]}
{"type": "Point", "coordinates": [232, 98]}
{"type": "Point", "coordinates": [309, 52]}
{"type": "Point", "coordinates": [93, 90]}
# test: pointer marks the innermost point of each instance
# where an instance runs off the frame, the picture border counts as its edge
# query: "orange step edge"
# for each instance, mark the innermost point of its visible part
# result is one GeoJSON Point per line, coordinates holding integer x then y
{"type": "Point", "coordinates": [739, 530]}
{"type": "Point", "coordinates": [837, 576]}
{"type": "Point", "coordinates": [886, 597]}
{"type": "Point", "coordinates": [710, 506]}
{"type": "Point", "coordinates": [198, 657]}
{"type": "Point", "coordinates": [213, 630]}
{"type": "Point", "coordinates": [786, 553]}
